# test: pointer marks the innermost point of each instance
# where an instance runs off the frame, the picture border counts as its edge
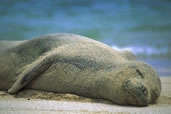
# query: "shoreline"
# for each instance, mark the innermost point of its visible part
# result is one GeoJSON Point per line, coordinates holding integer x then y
{"type": "Point", "coordinates": [33, 101]}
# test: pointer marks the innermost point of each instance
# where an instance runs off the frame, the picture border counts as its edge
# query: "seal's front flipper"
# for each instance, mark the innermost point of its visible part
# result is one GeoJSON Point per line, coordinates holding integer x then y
{"type": "Point", "coordinates": [29, 72]}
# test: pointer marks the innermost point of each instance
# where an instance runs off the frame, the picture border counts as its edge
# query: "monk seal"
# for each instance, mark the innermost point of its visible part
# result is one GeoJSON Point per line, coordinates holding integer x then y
{"type": "Point", "coordinates": [69, 63]}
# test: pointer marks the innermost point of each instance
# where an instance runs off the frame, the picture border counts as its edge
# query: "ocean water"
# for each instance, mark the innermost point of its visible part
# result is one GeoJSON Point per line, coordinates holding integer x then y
{"type": "Point", "coordinates": [143, 27]}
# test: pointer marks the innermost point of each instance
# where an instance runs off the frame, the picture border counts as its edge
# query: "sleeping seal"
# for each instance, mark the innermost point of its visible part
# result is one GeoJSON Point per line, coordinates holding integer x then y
{"type": "Point", "coordinates": [69, 63]}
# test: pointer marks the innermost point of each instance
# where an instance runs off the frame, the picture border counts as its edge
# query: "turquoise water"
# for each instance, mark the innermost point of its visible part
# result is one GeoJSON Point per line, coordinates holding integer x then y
{"type": "Point", "coordinates": [143, 27]}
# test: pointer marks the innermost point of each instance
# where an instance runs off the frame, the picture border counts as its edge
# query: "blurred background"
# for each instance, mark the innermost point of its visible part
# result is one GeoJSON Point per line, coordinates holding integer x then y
{"type": "Point", "coordinates": [144, 27]}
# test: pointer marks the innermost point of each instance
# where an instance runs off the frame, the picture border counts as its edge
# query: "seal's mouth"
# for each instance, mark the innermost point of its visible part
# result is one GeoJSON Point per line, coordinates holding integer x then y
{"type": "Point", "coordinates": [136, 93]}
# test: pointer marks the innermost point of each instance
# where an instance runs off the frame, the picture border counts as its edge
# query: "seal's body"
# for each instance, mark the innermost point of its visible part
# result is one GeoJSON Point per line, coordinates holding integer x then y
{"type": "Point", "coordinates": [68, 63]}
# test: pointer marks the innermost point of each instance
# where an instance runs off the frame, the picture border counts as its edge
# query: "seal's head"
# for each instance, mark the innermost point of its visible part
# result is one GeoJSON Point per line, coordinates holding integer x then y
{"type": "Point", "coordinates": [130, 83]}
{"type": "Point", "coordinates": [142, 86]}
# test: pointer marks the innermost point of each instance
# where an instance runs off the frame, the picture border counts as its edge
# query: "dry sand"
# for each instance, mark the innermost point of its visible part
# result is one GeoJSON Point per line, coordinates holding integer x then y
{"type": "Point", "coordinates": [38, 102]}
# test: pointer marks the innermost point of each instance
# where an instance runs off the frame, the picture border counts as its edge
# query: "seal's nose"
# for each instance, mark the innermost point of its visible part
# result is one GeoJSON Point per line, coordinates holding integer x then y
{"type": "Point", "coordinates": [136, 93]}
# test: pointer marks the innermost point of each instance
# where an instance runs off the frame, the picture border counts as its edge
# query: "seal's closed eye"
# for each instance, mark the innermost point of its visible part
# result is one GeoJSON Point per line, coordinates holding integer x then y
{"type": "Point", "coordinates": [139, 73]}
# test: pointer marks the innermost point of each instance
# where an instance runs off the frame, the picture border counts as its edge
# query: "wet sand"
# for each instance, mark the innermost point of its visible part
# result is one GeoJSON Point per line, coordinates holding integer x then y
{"type": "Point", "coordinates": [38, 102]}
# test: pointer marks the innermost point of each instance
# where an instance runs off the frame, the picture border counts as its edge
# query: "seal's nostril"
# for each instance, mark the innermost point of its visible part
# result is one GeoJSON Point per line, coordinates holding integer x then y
{"type": "Point", "coordinates": [144, 90]}
{"type": "Point", "coordinates": [137, 93]}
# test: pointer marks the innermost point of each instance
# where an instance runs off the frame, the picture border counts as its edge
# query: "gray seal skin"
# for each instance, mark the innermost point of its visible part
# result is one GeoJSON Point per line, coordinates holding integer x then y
{"type": "Point", "coordinates": [68, 63]}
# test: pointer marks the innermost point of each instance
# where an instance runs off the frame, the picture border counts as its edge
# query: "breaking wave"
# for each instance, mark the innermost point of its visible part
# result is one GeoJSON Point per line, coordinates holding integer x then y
{"type": "Point", "coordinates": [143, 50]}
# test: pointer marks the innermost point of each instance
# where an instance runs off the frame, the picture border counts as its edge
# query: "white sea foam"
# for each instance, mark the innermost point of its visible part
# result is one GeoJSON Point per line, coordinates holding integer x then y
{"type": "Point", "coordinates": [145, 50]}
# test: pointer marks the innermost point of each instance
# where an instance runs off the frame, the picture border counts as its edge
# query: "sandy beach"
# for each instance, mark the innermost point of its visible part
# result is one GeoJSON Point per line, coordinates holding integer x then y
{"type": "Point", "coordinates": [38, 102]}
